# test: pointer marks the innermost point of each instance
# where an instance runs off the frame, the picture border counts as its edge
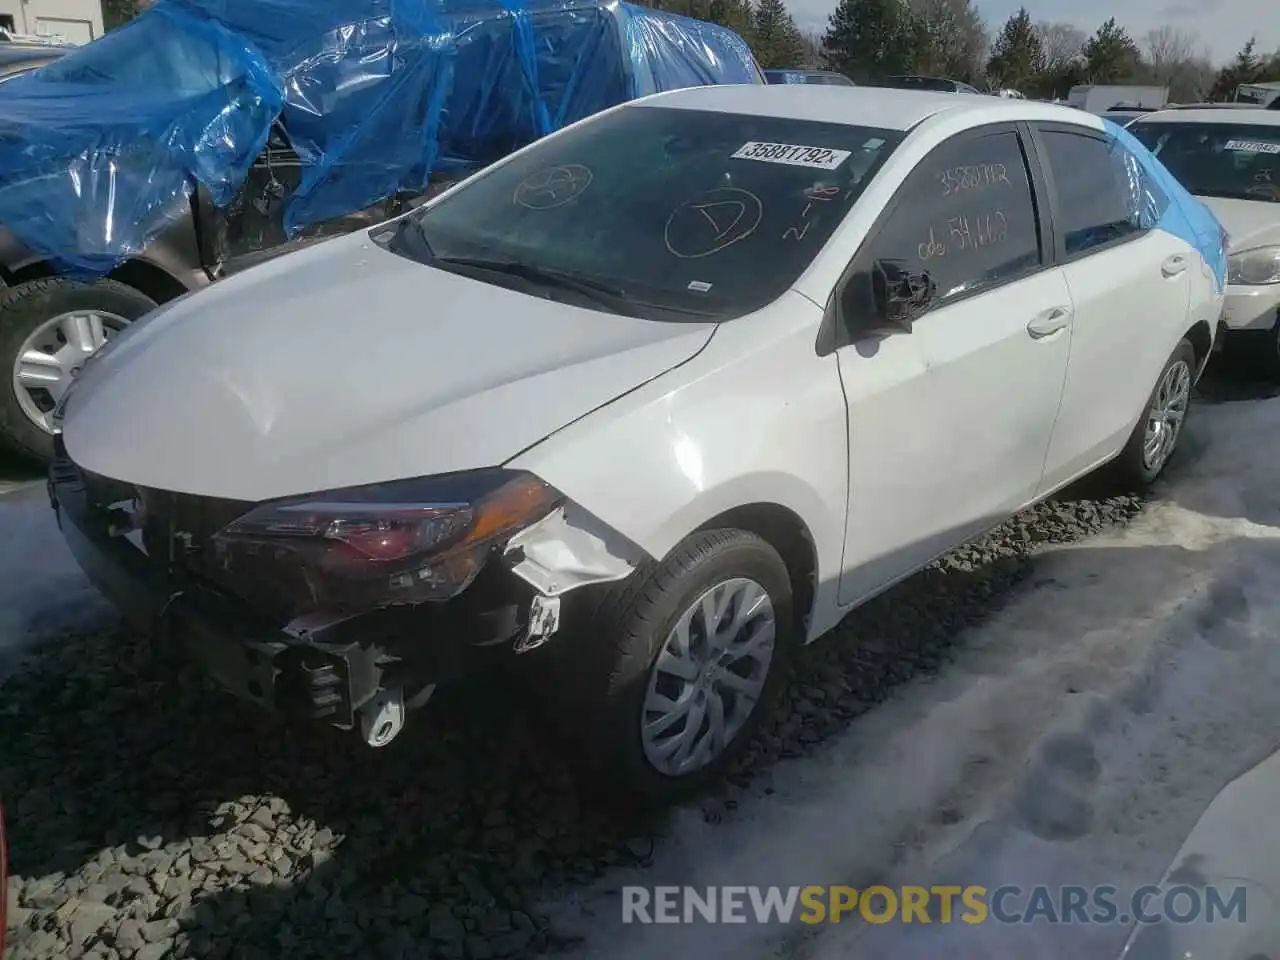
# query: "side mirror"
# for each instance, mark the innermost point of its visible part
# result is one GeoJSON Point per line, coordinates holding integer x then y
{"type": "Point", "coordinates": [901, 295]}
{"type": "Point", "coordinates": [887, 298]}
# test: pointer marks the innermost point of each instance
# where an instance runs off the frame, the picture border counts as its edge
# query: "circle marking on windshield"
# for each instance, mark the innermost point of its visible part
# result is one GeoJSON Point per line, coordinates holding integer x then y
{"type": "Point", "coordinates": [712, 221]}
{"type": "Point", "coordinates": [552, 186]}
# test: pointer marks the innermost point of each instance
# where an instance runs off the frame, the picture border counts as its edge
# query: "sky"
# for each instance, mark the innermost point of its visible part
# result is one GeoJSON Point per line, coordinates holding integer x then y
{"type": "Point", "coordinates": [1223, 26]}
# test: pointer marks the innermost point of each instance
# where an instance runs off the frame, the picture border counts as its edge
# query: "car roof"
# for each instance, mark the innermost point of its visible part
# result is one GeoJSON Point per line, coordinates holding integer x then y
{"type": "Point", "coordinates": [1258, 115]}
{"type": "Point", "coordinates": [885, 108]}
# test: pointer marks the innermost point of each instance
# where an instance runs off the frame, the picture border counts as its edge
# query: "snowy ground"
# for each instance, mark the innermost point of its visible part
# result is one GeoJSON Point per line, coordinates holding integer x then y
{"type": "Point", "coordinates": [1076, 739]}
{"type": "Point", "coordinates": [1041, 709]}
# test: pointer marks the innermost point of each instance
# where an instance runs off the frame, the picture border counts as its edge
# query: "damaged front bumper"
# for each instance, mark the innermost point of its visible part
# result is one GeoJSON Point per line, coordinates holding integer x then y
{"type": "Point", "coordinates": [367, 669]}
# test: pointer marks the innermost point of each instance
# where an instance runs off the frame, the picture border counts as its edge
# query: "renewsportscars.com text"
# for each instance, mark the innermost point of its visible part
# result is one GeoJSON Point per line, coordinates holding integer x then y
{"type": "Point", "coordinates": [933, 904]}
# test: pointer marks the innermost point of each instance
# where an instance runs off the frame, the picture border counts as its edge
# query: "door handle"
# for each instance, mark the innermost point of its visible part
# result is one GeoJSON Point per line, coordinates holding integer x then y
{"type": "Point", "coordinates": [1048, 323]}
{"type": "Point", "coordinates": [1174, 265]}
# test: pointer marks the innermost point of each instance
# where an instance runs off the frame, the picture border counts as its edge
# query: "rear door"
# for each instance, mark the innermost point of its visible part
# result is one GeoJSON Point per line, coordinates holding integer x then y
{"type": "Point", "coordinates": [1130, 285]}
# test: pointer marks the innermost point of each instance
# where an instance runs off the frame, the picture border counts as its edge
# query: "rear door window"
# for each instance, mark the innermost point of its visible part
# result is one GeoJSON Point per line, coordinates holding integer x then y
{"type": "Point", "coordinates": [1095, 197]}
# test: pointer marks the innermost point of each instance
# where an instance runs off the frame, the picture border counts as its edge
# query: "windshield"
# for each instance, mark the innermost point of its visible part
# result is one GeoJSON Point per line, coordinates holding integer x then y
{"type": "Point", "coordinates": [1233, 160]}
{"type": "Point", "coordinates": [681, 214]}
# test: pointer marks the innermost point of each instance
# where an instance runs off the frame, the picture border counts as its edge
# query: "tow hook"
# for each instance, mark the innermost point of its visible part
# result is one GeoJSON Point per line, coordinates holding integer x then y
{"type": "Point", "coordinates": [382, 717]}
{"type": "Point", "coordinates": [544, 620]}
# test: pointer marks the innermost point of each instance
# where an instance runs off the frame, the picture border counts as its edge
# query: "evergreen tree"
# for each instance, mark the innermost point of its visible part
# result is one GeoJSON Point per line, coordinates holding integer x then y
{"type": "Point", "coordinates": [1017, 58]}
{"type": "Point", "coordinates": [950, 39]}
{"type": "Point", "coordinates": [1246, 67]}
{"type": "Point", "coordinates": [775, 39]}
{"type": "Point", "coordinates": [734, 14]}
{"type": "Point", "coordinates": [1110, 55]}
{"type": "Point", "coordinates": [118, 12]}
{"type": "Point", "coordinates": [868, 39]}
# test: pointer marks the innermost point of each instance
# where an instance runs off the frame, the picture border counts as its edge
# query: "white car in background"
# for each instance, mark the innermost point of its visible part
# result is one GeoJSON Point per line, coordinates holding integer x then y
{"type": "Point", "coordinates": [1230, 159]}
{"type": "Point", "coordinates": [649, 402]}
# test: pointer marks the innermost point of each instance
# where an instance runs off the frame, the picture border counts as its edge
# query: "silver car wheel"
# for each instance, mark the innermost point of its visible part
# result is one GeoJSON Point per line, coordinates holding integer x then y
{"type": "Point", "coordinates": [1166, 416]}
{"type": "Point", "coordinates": [708, 677]}
{"type": "Point", "coordinates": [51, 358]}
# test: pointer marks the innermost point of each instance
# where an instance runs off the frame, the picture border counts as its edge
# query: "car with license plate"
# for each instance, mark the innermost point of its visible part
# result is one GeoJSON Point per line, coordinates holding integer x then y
{"type": "Point", "coordinates": [645, 405]}
{"type": "Point", "coordinates": [1230, 159]}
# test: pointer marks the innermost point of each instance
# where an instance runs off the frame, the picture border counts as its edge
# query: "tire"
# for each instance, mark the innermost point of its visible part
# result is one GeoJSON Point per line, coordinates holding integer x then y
{"type": "Point", "coordinates": [601, 688]}
{"type": "Point", "coordinates": [1133, 469]}
{"type": "Point", "coordinates": [24, 311]}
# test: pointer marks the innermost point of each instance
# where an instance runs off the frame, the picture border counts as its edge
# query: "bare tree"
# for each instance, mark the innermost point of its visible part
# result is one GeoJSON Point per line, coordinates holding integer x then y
{"type": "Point", "coordinates": [1173, 61]}
{"type": "Point", "coordinates": [1167, 48]}
{"type": "Point", "coordinates": [1061, 43]}
{"type": "Point", "coordinates": [1192, 85]}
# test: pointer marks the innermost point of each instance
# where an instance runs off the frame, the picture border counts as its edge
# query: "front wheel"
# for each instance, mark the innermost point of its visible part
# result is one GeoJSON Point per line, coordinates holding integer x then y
{"type": "Point", "coordinates": [1156, 436]}
{"type": "Point", "coordinates": [682, 666]}
{"type": "Point", "coordinates": [48, 329]}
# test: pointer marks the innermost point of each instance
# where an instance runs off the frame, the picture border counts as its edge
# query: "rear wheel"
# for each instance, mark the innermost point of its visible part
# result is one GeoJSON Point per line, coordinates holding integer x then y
{"type": "Point", "coordinates": [48, 329]}
{"type": "Point", "coordinates": [1156, 436]}
{"type": "Point", "coordinates": [680, 667]}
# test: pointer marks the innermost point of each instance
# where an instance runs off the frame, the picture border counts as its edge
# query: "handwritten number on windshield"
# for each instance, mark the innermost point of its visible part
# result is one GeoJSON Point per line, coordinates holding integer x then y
{"type": "Point", "coordinates": [815, 194]}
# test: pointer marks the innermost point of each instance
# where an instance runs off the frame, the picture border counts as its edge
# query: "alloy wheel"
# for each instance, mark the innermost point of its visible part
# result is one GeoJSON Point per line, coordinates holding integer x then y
{"type": "Point", "coordinates": [1166, 416]}
{"type": "Point", "coordinates": [51, 358]}
{"type": "Point", "coordinates": [708, 677]}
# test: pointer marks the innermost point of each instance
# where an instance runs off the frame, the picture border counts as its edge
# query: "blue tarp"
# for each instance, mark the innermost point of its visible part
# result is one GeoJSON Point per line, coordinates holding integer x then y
{"type": "Point", "coordinates": [1160, 202]}
{"type": "Point", "coordinates": [100, 149]}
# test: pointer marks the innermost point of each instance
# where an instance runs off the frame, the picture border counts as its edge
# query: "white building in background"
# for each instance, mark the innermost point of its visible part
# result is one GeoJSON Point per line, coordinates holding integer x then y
{"type": "Point", "coordinates": [77, 21]}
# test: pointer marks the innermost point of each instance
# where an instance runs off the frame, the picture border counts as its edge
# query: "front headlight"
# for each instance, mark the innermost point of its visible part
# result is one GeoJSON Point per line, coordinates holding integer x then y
{"type": "Point", "coordinates": [1260, 265]}
{"type": "Point", "coordinates": [392, 543]}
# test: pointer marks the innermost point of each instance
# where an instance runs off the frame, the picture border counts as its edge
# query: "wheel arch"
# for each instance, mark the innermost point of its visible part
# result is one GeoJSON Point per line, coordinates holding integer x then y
{"type": "Point", "coordinates": [141, 275]}
{"type": "Point", "coordinates": [1200, 336]}
{"type": "Point", "coordinates": [784, 530]}
{"type": "Point", "coordinates": [781, 509]}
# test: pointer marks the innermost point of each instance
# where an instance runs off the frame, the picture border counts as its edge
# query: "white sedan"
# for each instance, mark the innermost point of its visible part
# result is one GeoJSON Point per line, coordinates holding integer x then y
{"type": "Point", "coordinates": [647, 404]}
{"type": "Point", "coordinates": [1230, 159]}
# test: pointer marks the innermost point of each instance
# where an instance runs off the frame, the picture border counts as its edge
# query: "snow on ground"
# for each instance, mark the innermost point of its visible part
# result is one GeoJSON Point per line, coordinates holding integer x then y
{"type": "Point", "coordinates": [42, 591]}
{"type": "Point", "coordinates": [1077, 739]}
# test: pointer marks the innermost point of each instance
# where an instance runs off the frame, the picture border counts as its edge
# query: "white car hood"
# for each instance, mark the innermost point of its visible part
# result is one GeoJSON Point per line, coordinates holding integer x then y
{"type": "Point", "coordinates": [346, 364]}
{"type": "Point", "coordinates": [1251, 223]}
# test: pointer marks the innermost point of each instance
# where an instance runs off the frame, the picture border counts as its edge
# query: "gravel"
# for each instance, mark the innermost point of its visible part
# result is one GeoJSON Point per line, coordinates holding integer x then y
{"type": "Point", "coordinates": [148, 820]}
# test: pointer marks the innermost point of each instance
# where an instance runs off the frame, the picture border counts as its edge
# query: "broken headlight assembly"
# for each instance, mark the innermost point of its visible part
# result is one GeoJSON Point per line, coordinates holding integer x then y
{"type": "Point", "coordinates": [361, 548]}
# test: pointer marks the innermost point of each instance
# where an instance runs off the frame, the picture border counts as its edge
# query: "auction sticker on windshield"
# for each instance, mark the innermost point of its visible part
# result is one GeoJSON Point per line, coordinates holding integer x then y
{"type": "Point", "coordinates": [792, 154]}
{"type": "Point", "coordinates": [1252, 146]}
